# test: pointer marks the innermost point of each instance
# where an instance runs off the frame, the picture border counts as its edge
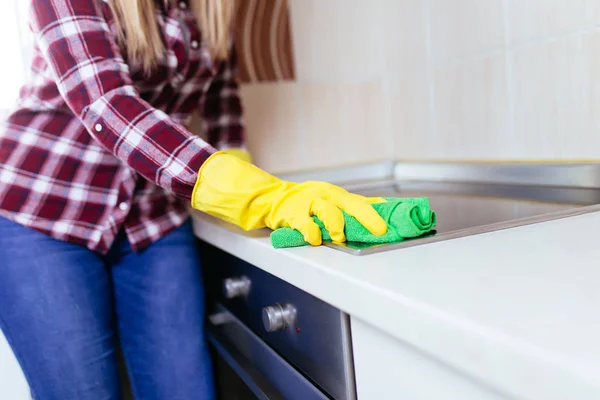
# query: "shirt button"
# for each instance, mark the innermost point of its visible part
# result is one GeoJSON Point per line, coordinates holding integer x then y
{"type": "Point", "coordinates": [195, 44]}
{"type": "Point", "coordinates": [182, 5]}
{"type": "Point", "coordinates": [98, 127]}
{"type": "Point", "coordinates": [123, 206]}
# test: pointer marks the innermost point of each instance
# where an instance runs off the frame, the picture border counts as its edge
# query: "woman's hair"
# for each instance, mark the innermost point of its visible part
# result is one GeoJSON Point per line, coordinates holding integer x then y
{"type": "Point", "coordinates": [139, 34]}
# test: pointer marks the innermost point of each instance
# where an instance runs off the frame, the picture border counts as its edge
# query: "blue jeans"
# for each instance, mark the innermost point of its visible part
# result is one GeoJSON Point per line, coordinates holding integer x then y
{"type": "Point", "coordinates": [64, 308]}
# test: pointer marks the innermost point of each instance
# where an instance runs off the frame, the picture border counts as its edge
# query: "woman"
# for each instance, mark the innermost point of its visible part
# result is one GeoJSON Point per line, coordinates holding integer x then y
{"type": "Point", "coordinates": [96, 172]}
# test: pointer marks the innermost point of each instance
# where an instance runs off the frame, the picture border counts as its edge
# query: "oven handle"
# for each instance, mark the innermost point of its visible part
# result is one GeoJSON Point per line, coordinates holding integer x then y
{"type": "Point", "coordinates": [265, 373]}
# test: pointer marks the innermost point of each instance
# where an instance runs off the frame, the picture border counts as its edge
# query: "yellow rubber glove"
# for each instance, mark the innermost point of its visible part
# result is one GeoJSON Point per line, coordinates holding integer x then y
{"type": "Point", "coordinates": [238, 192]}
{"type": "Point", "coordinates": [239, 153]}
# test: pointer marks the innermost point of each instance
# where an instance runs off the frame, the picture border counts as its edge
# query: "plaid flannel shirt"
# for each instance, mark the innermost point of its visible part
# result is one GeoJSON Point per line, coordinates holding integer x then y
{"type": "Point", "coordinates": [93, 146]}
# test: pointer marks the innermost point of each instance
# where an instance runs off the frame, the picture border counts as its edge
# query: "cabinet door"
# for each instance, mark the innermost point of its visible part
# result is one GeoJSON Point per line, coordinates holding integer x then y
{"type": "Point", "coordinates": [389, 369]}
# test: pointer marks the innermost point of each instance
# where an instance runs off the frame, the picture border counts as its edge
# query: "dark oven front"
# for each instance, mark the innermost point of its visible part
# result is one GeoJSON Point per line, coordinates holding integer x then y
{"type": "Point", "coordinates": [271, 340]}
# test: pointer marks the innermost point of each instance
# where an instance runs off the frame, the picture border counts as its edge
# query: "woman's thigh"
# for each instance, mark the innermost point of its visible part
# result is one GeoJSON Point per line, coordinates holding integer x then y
{"type": "Point", "coordinates": [56, 313]}
{"type": "Point", "coordinates": [160, 311]}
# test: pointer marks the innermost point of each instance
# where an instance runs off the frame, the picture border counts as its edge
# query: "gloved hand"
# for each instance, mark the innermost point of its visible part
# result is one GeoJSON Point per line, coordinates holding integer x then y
{"type": "Point", "coordinates": [238, 192]}
{"type": "Point", "coordinates": [239, 153]}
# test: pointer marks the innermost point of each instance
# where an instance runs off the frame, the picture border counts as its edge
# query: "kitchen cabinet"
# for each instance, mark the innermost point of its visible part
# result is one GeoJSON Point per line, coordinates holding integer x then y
{"type": "Point", "coordinates": [388, 369]}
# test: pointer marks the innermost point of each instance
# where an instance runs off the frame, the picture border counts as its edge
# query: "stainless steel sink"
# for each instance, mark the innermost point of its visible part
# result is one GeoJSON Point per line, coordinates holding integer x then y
{"type": "Point", "coordinates": [471, 199]}
{"type": "Point", "coordinates": [466, 214]}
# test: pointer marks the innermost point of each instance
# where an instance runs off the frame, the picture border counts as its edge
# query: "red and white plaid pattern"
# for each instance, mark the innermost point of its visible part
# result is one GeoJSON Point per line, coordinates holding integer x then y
{"type": "Point", "coordinates": [89, 127]}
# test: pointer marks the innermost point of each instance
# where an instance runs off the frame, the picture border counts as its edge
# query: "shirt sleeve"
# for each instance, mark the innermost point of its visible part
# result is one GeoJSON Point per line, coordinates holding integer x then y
{"type": "Point", "coordinates": [221, 107]}
{"type": "Point", "coordinates": [93, 78]}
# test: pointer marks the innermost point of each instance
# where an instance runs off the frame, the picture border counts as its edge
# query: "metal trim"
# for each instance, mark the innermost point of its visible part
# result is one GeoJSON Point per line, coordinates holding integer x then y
{"type": "Point", "coordinates": [546, 194]}
{"type": "Point", "coordinates": [576, 175]}
{"type": "Point", "coordinates": [552, 175]}
{"type": "Point", "coordinates": [383, 171]}
{"type": "Point", "coordinates": [348, 357]}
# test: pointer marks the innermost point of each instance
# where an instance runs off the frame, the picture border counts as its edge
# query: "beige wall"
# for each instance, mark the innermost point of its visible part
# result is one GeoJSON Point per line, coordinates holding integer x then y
{"type": "Point", "coordinates": [432, 79]}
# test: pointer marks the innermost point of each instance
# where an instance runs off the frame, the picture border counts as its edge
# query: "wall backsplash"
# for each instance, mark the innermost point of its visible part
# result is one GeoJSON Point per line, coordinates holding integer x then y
{"type": "Point", "coordinates": [429, 80]}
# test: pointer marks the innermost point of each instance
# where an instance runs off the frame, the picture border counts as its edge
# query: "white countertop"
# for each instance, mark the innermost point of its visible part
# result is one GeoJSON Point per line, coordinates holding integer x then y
{"type": "Point", "coordinates": [517, 309]}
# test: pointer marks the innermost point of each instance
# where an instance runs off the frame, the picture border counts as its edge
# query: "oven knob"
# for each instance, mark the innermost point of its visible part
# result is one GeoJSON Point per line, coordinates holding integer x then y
{"type": "Point", "coordinates": [278, 317]}
{"type": "Point", "coordinates": [236, 287]}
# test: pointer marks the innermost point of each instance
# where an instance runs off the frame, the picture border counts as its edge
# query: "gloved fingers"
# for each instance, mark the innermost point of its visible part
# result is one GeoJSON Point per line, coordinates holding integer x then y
{"type": "Point", "coordinates": [309, 229]}
{"type": "Point", "coordinates": [365, 214]}
{"type": "Point", "coordinates": [331, 216]}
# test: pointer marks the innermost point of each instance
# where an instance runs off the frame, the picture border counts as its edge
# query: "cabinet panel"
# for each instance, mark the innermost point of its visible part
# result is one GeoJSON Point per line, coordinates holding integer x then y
{"type": "Point", "coordinates": [389, 369]}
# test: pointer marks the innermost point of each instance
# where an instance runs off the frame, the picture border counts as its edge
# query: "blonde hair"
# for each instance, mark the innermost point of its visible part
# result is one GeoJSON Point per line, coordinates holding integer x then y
{"type": "Point", "coordinates": [139, 34]}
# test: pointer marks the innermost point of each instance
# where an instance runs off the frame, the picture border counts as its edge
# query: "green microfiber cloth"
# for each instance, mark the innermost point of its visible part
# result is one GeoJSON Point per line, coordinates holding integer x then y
{"type": "Point", "coordinates": [405, 217]}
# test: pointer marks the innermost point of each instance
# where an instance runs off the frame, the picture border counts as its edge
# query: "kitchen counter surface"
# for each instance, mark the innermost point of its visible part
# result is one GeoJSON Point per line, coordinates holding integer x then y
{"type": "Point", "coordinates": [515, 309]}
